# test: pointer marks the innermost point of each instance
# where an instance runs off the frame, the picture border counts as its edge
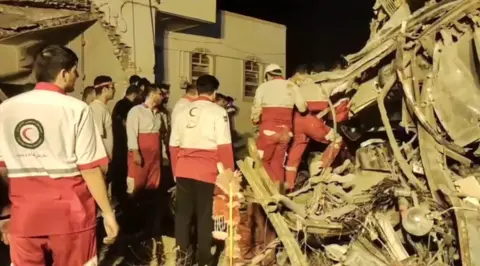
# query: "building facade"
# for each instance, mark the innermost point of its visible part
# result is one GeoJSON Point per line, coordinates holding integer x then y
{"type": "Point", "coordinates": [235, 49]}
{"type": "Point", "coordinates": [165, 41]}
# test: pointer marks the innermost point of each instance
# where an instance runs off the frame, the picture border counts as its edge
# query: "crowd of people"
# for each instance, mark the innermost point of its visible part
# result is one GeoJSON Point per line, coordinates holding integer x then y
{"type": "Point", "coordinates": [65, 158]}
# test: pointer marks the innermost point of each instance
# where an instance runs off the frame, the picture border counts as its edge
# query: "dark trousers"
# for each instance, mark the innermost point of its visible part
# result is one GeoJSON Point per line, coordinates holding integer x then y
{"type": "Point", "coordinates": [194, 198]}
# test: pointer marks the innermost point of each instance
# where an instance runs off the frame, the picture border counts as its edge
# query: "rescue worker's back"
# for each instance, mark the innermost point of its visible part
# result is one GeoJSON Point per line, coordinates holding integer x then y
{"type": "Point", "coordinates": [202, 132]}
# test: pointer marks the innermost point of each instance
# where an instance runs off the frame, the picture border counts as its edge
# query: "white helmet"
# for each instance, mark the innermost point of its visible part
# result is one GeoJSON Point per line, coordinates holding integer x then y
{"type": "Point", "coordinates": [273, 67]}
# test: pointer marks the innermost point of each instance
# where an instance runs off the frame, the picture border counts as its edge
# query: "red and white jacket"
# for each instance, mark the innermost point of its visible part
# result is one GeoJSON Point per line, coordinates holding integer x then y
{"type": "Point", "coordinates": [142, 120]}
{"type": "Point", "coordinates": [184, 101]}
{"type": "Point", "coordinates": [46, 138]}
{"type": "Point", "coordinates": [317, 98]}
{"type": "Point", "coordinates": [199, 140]}
{"type": "Point", "coordinates": [274, 102]}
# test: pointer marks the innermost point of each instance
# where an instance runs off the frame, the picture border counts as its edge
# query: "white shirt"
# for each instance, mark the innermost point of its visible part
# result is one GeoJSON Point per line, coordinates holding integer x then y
{"type": "Point", "coordinates": [103, 121]}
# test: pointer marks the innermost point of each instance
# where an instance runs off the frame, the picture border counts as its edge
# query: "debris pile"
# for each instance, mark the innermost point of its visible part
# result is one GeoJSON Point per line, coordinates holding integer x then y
{"type": "Point", "coordinates": [409, 192]}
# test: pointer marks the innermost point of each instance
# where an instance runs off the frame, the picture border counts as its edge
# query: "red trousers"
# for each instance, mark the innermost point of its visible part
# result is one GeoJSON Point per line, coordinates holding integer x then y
{"type": "Point", "coordinates": [70, 249]}
{"type": "Point", "coordinates": [272, 144]}
{"type": "Point", "coordinates": [147, 175]}
{"type": "Point", "coordinates": [305, 128]}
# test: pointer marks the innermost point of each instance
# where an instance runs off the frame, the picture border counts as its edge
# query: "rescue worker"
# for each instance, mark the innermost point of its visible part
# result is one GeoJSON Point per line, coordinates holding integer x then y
{"type": "Point", "coordinates": [88, 94]}
{"type": "Point", "coordinates": [272, 110]}
{"type": "Point", "coordinates": [104, 91]}
{"type": "Point", "coordinates": [310, 126]}
{"type": "Point", "coordinates": [200, 140]}
{"type": "Point", "coordinates": [191, 94]}
{"type": "Point", "coordinates": [143, 138]}
{"type": "Point", "coordinates": [54, 157]}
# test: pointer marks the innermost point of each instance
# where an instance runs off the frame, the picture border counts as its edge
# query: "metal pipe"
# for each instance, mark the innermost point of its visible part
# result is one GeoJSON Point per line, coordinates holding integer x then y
{"type": "Point", "coordinates": [391, 138]}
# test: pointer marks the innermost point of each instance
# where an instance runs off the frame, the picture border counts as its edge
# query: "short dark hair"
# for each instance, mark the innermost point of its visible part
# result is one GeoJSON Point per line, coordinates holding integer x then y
{"type": "Point", "coordinates": [144, 82]}
{"type": "Point", "coordinates": [190, 88]}
{"type": "Point", "coordinates": [164, 86]}
{"type": "Point", "coordinates": [134, 79]}
{"type": "Point", "coordinates": [99, 80]}
{"type": "Point", "coordinates": [220, 96]}
{"type": "Point", "coordinates": [302, 69]}
{"type": "Point", "coordinates": [51, 60]}
{"type": "Point", "coordinates": [87, 91]}
{"type": "Point", "coordinates": [207, 84]}
{"type": "Point", "coordinates": [149, 89]}
{"type": "Point", "coordinates": [132, 89]}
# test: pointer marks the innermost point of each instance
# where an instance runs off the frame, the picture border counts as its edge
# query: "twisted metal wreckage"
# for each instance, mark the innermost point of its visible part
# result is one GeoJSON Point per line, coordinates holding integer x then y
{"type": "Point", "coordinates": [410, 196]}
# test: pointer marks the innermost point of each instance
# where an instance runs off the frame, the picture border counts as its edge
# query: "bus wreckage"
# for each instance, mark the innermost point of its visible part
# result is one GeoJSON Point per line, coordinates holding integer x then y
{"type": "Point", "coordinates": [409, 193]}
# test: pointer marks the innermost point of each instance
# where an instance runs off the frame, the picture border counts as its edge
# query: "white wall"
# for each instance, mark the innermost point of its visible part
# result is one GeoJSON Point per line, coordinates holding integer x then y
{"type": "Point", "coordinates": [243, 38]}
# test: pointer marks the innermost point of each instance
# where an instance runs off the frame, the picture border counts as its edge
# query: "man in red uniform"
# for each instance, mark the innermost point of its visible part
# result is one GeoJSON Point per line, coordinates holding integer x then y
{"type": "Point", "coordinates": [53, 157]}
{"type": "Point", "coordinates": [200, 140]}
{"type": "Point", "coordinates": [144, 144]}
{"type": "Point", "coordinates": [272, 110]}
{"type": "Point", "coordinates": [310, 126]}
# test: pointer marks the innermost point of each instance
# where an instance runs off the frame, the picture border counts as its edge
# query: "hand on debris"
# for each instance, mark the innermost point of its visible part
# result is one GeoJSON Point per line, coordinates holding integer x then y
{"type": "Point", "coordinates": [111, 228]}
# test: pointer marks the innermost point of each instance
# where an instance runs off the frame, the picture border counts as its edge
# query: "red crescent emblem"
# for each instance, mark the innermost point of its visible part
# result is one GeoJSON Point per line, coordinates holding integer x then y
{"type": "Point", "coordinates": [24, 133]}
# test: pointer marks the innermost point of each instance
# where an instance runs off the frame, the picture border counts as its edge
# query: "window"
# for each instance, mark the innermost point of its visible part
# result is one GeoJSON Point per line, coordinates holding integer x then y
{"type": "Point", "coordinates": [201, 65]}
{"type": "Point", "coordinates": [251, 78]}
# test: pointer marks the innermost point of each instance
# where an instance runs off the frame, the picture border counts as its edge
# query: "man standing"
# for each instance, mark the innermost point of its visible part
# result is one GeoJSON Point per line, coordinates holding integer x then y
{"type": "Point", "coordinates": [104, 91]}
{"type": "Point", "coordinates": [144, 142]}
{"type": "Point", "coordinates": [200, 140]}
{"type": "Point", "coordinates": [118, 171]}
{"type": "Point", "coordinates": [53, 157]}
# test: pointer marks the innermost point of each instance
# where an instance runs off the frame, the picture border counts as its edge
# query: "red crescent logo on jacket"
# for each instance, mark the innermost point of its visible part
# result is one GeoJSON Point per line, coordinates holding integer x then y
{"type": "Point", "coordinates": [29, 134]}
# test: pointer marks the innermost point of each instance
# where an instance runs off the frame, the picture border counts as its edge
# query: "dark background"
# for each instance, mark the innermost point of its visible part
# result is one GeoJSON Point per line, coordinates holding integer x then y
{"type": "Point", "coordinates": [318, 31]}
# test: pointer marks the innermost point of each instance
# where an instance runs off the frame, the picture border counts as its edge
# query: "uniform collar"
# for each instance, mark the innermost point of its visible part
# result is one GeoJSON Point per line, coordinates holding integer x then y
{"type": "Point", "coordinates": [46, 86]}
{"type": "Point", "coordinates": [189, 98]}
{"type": "Point", "coordinates": [203, 98]}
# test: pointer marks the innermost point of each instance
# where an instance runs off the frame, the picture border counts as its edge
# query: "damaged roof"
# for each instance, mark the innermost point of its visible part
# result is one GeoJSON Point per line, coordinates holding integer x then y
{"type": "Point", "coordinates": [62, 4]}
{"type": "Point", "coordinates": [15, 19]}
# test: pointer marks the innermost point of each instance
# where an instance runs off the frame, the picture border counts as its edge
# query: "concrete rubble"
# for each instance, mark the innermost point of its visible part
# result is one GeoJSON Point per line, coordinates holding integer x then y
{"type": "Point", "coordinates": [408, 192]}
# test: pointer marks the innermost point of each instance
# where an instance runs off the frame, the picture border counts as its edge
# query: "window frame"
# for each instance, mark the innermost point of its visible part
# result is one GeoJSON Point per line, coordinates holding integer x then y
{"type": "Point", "coordinates": [209, 65]}
{"type": "Point", "coordinates": [246, 83]}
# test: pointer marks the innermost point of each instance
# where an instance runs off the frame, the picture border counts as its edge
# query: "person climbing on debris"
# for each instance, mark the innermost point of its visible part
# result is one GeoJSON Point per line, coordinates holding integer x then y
{"type": "Point", "coordinates": [272, 110]}
{"type": "Point", "coordinates": [200, 140]}
{"type": "Point", "coordinates": [54, 158]}
{"type": "Point", "coordinates": [310, 126]}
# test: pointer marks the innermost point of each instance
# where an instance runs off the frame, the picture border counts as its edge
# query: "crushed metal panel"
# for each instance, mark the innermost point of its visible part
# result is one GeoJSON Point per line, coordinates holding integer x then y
{"type": "Point", "coordinates": [456, 97]}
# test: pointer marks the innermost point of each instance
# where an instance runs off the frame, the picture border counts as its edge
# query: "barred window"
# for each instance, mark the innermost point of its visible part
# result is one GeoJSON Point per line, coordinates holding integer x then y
{"type": "Point", "coordinates": [201, 65]}
{"type": "Point", "coordinates": [251, 78]}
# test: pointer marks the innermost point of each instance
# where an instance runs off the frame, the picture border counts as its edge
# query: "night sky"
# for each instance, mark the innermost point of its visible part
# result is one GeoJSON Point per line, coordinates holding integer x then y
{"type": "Point", "coordinates": [317, 30]}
